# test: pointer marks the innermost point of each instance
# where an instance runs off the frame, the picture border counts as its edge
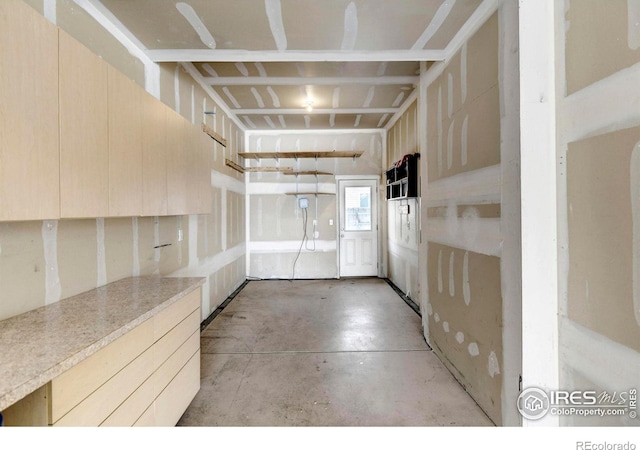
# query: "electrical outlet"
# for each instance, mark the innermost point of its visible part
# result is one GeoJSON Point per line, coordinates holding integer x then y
{"type": "Point", "coordinates": [316, 234]}
{"type": "Point", "coordinates": [303, 202]}
{"type": "Point", "coordinates": [330, 222]}
{"type": "Point", "coordinates": [180, 236]}
{"type": "Point", "coordinates": [315, 223]}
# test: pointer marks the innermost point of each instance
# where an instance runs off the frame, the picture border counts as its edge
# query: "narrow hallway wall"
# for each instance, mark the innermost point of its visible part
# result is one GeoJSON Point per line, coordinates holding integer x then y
{"type": "Point", "coordinates": [403, 228]}
{"type": "Point", "coordinates": [470, 214]}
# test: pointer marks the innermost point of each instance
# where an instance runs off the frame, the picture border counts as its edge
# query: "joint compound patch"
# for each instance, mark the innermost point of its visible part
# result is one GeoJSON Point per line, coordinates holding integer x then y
{"type": "Point", "coordinates": [466, 289]}
{"type": "Point", "coordinates": [53, 287]}
{"type": "Point", "coordinates": [493, 365]}
{"type": "Point", "coordinates": [429, 309]}
{"type": "Point", "coordinates": [436, 317]}
{"type": "Point", "coordinates": [473, 349]}
{"type": "Point", "coordinates": [460, 337]}
{"type": "Point", "coordinates": [440, 287]}
{"type": "Point", "coordinates": [452, 285]}
{"type": "Point", "coordinates": [445, 326]}
{"type": "Point", "coordinates": [635, 215]}
{"type": "Point", "coordinates": [633, 13]}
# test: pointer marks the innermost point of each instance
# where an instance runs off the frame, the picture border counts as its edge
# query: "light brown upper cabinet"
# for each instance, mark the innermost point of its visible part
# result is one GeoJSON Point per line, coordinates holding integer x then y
{"type": "Point", "coordinates": [125, 145]}
{"type": "Point", "coordinates": [177, 165]}
{"type": "Point", "coordinates": [154, 156]}
{"type": "Point", "coordinates": [29, 151]}
{"type": "Point", "coordinates": [84, 137]}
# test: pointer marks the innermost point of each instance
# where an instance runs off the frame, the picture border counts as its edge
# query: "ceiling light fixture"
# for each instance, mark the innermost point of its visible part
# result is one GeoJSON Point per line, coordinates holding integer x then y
{"type": "Point", "coordinates": [309, 104]}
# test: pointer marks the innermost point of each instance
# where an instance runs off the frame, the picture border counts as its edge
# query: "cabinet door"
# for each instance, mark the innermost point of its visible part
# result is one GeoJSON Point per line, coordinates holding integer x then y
{"type": "Point", "coordinates": [125, 145]}
{"type": "Point", "coordinates": [177, 165]}
{"type": "Point", "coordinates": [84, 151]}
{"type": "Point", "coordinates": [29, 152]}
{"type": "Point", "coordinates": [154, 156]}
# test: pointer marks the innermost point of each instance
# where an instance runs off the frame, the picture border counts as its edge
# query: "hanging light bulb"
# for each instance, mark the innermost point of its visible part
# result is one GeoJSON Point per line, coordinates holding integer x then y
{"type": "Point", "coordinates": [309, 104]}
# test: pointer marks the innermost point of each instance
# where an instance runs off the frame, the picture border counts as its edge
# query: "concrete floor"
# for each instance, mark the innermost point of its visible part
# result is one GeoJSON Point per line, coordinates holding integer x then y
{"type": "Point", "coordinates": [344, 352]}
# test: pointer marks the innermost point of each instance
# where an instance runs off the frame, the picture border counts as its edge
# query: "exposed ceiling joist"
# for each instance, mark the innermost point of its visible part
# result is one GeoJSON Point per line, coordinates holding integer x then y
{"type": "Point", "coordinates": [224, 55]}
{"type": "Point", "coordinates": [285, 111]}
{"type": "Point", "coordinates": [314, 81]}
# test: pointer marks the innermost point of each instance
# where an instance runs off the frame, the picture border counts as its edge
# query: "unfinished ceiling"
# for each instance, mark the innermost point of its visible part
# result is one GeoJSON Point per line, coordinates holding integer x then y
{"type": "Point", "coordinates": [300, 64]}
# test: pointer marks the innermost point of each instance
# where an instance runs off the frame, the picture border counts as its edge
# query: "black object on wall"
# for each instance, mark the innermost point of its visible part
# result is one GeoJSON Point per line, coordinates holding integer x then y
{"type": "Point", "coordinates": [402, 178]}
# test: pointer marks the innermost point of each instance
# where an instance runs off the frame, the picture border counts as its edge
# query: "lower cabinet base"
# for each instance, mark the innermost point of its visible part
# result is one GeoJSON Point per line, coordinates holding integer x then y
{"type": "Point", "coordinates": [147, 377]}
{"type": "Point", "coordinates": [176, 397]}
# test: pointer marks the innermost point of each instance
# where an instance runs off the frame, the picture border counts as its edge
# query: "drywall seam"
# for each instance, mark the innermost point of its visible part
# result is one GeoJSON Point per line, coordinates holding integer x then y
{"type": "Point", "coordinates": [283, 188]}
{"type": "Point", "coordinates": [350, 28]}
{"type": "Point", "coordinates": [274, 14]}
{"type": "Point", "coordinates": [53, 287]}
{"type": "Point", "coordinates": [440, 284]}
{"type": "Point", "coordinates": [463, 73]}
{"type": "Point", "coordinates": [595, 356]}
{"type": "Point", "coordinates": [136, 247]}
{"type": "Point", "coordinates": [466, 288]}
{"type": "Point", "coordinates": [193, 104]}
{"type": "Point", "coordinates": [193, 240]}
{"type": "Point", "coordinates": [487, 241]}
{"type": "Point", "coordinates": [464, 141]}
{"type": "Point", "coordinates": [440, 137]}
{"type": "Point", "coordinates": [258, 97]}
{"type": "Point", "coordinates": [274, 99]}
{"type": "Point", "coordinates": [403, 253]}
{"type": "Point", "coordinates": [450, 145]}
{"type": "Point", "coordinates": [635, 214]}
{"type": "Point", "coordinates": [449, 95]}
{"type": "Point", "coordinates": [212, 264]}
{"type": "Point", "coordinates": [473, 187]}
{"type": "Point", "coordinates": [633, 20]}
{"type": "Point", "coordinates": [222, 181]}
{"type": "Point", "coordinates": [223, 215]}
{"type": "Point", "coordinates": [194, 20]}
{"type": "Point", "coordinates": [436, 22]}
{"type": "Point", "coordinates": [176, 88]}
{"type": "Point", "coordinates": [50, 10]}
{"type": "Point", "coordinates": [493, 365]}
{"type": "Point", "coordinates": [156, 244]}
{"type": "Point", "coordinates": [452, 285]}
{"type": "Point", "coordinates": [403, 108]}
{"type": "Point", "coordinates": [180, 243]}
{"type": "Point", "coordinates": [289, 246]}
{"type": "Point", "coordinates": [102, 262]}
{"type": "Point", "coordinates": [602, 107]}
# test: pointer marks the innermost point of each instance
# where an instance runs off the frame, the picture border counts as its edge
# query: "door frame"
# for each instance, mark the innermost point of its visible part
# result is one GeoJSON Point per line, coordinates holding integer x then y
{"type": "Point", "coordinates": [377, 178]}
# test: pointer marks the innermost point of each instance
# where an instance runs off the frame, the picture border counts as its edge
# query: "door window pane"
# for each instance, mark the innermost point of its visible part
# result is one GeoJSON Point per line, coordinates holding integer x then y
{"type": "Point", "coordinates": [357, 204]}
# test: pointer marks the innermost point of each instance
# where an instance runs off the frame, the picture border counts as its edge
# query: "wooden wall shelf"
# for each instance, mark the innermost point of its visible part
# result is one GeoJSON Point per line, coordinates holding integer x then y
{"type": "Point", "coordinates": [286, 170]}
{"type": "Point", "coordinates": [229, 163]}
{"type": "Point", "coordinates": [296, 155]}
{"type": "Point", "coordinates": [307, 172]}
{"type": "Point", "coordinates": [310, 193]}
{"type": "Point", "coordinates": [215, 136]}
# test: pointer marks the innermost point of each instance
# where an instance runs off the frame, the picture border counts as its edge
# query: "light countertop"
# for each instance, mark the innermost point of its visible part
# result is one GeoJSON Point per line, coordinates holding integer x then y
{"type": "Point", "coordinates": [39, 345]}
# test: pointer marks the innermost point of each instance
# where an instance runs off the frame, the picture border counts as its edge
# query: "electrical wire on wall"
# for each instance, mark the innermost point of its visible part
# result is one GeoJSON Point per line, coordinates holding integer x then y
{"type": "Point", "coordinates": [305, 239]}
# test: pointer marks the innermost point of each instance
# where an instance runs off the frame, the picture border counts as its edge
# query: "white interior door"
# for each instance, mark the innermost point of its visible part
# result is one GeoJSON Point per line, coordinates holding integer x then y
{"type": "Point", "coordinates": [358, 236]}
